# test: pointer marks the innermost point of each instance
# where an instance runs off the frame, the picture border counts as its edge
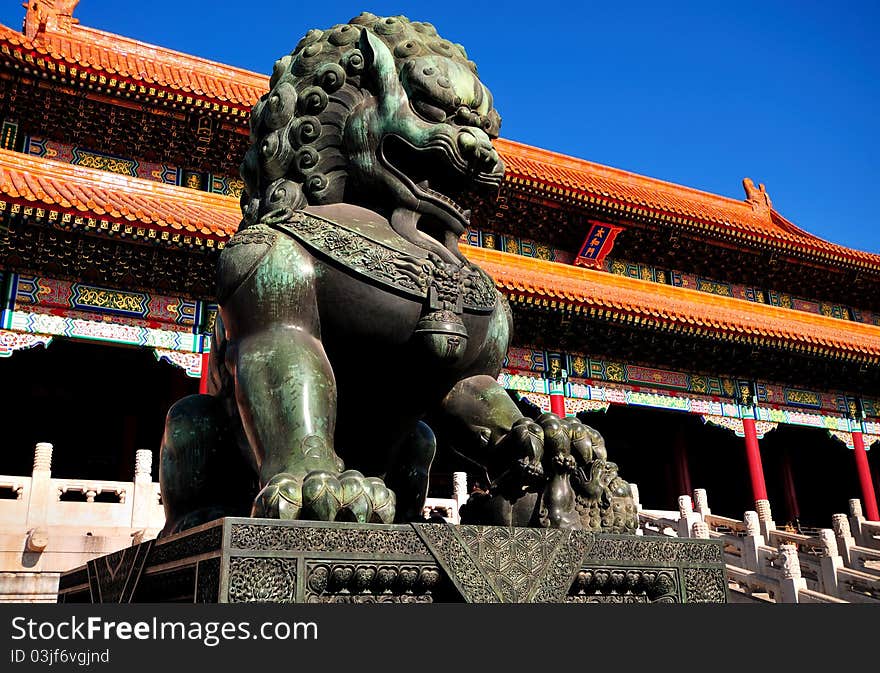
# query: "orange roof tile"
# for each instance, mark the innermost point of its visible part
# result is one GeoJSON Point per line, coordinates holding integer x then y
{"type": "Point", "coordinates": [115, 56]}
{"type": "Point", "coordinates": [585, 180]}
{"type": "Point", "coordinates": [719, 217]}
{"type": "Point", "coordinates": [670, 307]}
{"type": "Point", "coordinates": [93, 193]}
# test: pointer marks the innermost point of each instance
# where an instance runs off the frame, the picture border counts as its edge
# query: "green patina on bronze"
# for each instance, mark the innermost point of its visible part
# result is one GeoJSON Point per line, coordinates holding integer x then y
{"type": "Point", "coordinates": [353, 336]}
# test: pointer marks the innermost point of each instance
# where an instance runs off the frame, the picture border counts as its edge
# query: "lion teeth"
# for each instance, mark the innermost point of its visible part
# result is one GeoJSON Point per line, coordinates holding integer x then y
{"type": "Point", "coordinates": [424, 186]}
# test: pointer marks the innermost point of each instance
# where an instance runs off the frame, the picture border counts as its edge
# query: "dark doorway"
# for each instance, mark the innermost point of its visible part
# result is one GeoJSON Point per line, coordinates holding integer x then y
{"type": "Point", "coordinates": [823, 473]}
{"type": "Point", "coordinates": [96, 403]}
{"type": "Point", "coordinates": [648, 443]}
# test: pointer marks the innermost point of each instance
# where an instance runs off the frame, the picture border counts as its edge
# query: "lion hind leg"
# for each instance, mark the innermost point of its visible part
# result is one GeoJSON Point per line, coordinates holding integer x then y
{"type": "Point", "coordinates": [202, 472]}
{"type": "Point", "coordinates": [409, 476]}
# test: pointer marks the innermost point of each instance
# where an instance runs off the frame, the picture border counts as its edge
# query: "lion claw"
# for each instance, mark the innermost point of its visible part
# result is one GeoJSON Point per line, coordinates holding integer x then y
{"type": "Point", "coordinates": [324, 496]}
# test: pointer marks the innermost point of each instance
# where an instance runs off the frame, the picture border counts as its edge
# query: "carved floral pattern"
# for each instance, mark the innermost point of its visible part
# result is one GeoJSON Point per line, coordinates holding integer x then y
{"type": "Point", "coordinates": [610, 584]}
{"type": "Point", "coordinates": [313, 538]}
{"type": "Point", "coordinates": [705, 585]}
{"type": "Point", "coordinates": [329, 581]}
{"type": "Point", "coordinates": [393, 267]}
{"type": "Point", "coordinates": [454, 558]}
{"type": "Point", "coordinates": [627, 548]}
{"type": "Point", "coordinates": [262, 580]}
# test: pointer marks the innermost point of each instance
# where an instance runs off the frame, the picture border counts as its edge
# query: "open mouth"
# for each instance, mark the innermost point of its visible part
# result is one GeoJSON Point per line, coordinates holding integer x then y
{"type": "Point", "coordinates": [436, 177]}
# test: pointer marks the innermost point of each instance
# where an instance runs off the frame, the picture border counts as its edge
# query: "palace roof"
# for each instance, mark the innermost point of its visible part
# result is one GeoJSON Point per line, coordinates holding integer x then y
{"type": "Point", "coordinates": [584, 181]}
{"type": "Point", "coordinates": [637, 302]}
{"type": "Point", "coordinates": [168, 77]}
{"type": "Point", "coordinates": [91, 52]}
{"type": "Point", "coordinates": [100, 195]}
{"type": "Point", "coordinates": [185, 215]}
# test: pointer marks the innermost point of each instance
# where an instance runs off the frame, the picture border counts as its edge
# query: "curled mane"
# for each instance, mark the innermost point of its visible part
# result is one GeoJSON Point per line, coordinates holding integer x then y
{"type": "Point", "coordinates": [296, 156]}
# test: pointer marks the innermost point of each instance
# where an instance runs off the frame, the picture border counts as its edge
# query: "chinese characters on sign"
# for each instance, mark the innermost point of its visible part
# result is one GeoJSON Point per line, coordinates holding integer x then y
{"type": "Point", "coordinates": [597, 245]}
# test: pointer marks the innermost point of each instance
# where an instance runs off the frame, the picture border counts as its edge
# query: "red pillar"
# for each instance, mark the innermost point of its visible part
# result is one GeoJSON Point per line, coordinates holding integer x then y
{"type": "Point", "coordinates": [868, 496]}
{"type": "Point", "coordinates": [203, 381]}
{"type": "Point", "coordinates": [753, 455]}
{"type": "Point", "coordinates": [557, 398]}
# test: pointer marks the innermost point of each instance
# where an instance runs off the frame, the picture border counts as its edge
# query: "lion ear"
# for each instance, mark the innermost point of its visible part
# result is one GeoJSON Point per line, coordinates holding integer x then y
{"type": "Point", "coordinates": [379, 66]}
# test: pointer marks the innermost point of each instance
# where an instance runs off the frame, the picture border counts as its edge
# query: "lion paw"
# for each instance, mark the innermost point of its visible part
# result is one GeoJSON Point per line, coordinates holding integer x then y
{"type": "Point", "coordinates": [324, 496]}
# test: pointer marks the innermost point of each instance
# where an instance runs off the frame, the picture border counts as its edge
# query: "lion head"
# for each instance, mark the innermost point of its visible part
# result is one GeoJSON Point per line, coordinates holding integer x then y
{"type": "Point", "coordinates": [381, 113]}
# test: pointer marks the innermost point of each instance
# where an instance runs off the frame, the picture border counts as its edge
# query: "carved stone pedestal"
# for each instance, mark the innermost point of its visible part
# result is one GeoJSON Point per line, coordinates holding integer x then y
{"type": "Point", "coordinates": [260, 560]}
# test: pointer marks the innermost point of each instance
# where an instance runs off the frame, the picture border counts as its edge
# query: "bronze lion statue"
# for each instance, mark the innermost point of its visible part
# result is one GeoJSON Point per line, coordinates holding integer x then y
{"type": "Point", "coordinates": [353, 337]}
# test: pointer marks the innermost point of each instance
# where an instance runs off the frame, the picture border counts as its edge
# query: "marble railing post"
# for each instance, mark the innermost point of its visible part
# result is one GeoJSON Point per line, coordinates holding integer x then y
{"type": "Point", "coordinates": [829, 562]}
{"type": "Point", "coordinates": [845, 540]}
{"type": "Point", "coordinates": [40, 498]}
{"type": "Point", "coordinates": [686, 516]}
{"type": "Point", "coordinates": [700, 530]}
{"type": "Point", "coordinates": [792, 582]}
{"type": "Point", "coordinates": [856, 518]}
{"type": "Point", "coordinates": [634, 489]}
{"type": "Point", "coordinates": [701, 502]}
{"type": "Point", "coordinates": [752, 541]}
{"type": "Point", "coordinates": [143, 499]}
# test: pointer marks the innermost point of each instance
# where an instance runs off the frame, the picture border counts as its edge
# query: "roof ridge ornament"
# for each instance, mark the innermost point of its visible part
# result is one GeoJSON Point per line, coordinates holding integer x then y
{"type": "Point", "coordinates": [54, 16]}
{"type": "Point", "coordinates": [757, 196]}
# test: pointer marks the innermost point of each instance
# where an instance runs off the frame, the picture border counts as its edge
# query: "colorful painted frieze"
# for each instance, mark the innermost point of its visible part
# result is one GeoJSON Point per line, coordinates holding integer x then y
{"type": "Point", "coordinates": [191, 363]}
{"type": "Point", "coordinates": [15, 341]}
{"type": "Point", "coordinates": [32, 293]}
{"type": "Point", "coordinates": [775, 395]}
{"type": "Point", "coordinates": [579, 394]}
{"type": "Point", "coordinates": [662, 388]}
{"type": "Point", "coordinates": [55, 325]}
{"type": "Point", "coordinates": [136, 168]}
{"type": "Point", "coordinates": [529, 248]}
{"type": "Point", "coordinates": [516, 246]}
{"type": "Point", "coordinates": [871, 407]}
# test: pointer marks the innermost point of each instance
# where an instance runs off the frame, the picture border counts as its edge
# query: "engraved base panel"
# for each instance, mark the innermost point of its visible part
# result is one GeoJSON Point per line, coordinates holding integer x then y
{"type": "Point", "coordinates": [237, 560]}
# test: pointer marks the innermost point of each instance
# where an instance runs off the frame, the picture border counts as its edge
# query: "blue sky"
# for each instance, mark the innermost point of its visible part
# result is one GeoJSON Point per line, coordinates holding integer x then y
{"type": "Point", "coordinates": [698, 93]}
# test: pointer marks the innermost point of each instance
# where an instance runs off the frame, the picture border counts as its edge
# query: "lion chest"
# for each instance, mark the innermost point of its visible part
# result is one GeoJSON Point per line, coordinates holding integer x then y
{"type": "Point", "coordinates": [381, 298]}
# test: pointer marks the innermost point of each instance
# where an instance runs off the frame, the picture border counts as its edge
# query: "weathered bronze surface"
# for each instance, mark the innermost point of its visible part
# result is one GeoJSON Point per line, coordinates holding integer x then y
{"type": "Point", "coordinates": [260, 560]}
{"type": "Point", "coordinates": [353, 336]}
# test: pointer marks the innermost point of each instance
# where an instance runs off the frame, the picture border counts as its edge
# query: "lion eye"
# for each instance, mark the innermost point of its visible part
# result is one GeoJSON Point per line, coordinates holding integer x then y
{"type": "Point", "coordinates": [429, 112]}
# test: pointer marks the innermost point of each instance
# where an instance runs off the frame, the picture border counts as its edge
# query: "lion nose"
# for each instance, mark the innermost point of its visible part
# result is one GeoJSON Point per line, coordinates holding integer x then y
{"type": "Point", "coordinates": [477, 152]}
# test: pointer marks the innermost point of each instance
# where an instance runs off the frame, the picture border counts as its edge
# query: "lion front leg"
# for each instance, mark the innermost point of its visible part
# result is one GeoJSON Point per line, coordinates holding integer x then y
{"type": "Point", "coordinates": [285, 389]}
